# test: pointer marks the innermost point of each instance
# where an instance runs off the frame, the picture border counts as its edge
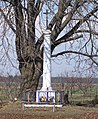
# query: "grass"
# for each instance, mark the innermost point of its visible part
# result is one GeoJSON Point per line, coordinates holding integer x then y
{"type": "Point", "coordinates": [66, 111]}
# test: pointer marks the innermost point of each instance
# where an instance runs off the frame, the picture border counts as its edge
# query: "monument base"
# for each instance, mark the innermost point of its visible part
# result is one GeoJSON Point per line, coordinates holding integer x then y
{"type": "Point", "coordinates": [41, 105]}
{"type": "Point", "coordinates": [45, 96]}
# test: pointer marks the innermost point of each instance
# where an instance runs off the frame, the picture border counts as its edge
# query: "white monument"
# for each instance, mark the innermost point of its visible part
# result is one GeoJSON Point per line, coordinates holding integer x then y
{"type": "Point", "coordinates": [46, 90]}
{"type": "Point", "coordinates": [47, 61]}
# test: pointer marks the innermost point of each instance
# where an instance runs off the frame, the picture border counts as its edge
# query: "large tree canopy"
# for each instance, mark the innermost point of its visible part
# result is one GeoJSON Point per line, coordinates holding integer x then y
{"type": "Point", "coordinates": [72, 21]}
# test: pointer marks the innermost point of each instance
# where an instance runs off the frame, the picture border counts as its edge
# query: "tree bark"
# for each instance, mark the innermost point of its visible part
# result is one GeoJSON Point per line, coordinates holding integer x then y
{"type": "Point", "coordinates": [30, 58]}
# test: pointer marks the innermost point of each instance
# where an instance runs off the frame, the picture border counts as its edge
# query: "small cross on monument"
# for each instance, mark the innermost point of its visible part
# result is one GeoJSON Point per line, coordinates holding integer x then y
{"type": "Point", "coordinates": [46, 18]}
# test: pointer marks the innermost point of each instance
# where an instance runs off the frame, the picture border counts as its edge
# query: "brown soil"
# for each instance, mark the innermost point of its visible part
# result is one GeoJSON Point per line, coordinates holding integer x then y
{"type": "Point", "coordinates": [92, 115]}
{"type": "Point", "coordinates": [13, 111]}
{"type": "Point", "coordinates": [19, 116]}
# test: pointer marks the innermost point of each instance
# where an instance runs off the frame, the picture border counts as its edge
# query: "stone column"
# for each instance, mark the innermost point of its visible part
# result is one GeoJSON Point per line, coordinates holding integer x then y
{"type": "Point", "coordinates": [47, 61]}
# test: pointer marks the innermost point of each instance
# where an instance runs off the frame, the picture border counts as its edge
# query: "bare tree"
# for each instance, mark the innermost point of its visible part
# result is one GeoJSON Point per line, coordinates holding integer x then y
{"type": "Point", "coordinates": [76, 19]}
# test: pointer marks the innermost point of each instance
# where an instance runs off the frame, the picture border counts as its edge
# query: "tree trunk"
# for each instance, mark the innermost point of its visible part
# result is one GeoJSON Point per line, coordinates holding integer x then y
{"type": "Point", "coordinates": [30, 60]}
{"type": "Point", "coordinates": [30, 75]}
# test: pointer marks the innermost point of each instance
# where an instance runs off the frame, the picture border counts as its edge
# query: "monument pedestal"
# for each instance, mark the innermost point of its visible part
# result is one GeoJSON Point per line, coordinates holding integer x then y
{"type": "Point", "coordinates": [46, 97]}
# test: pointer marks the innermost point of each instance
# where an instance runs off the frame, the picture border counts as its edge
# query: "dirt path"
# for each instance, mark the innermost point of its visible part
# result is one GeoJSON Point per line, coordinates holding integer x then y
{"type": "Point", "coordinates": [19, 116]}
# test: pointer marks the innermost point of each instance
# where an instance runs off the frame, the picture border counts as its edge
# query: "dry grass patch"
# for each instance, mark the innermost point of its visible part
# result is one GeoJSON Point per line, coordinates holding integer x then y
{"type": "Point", "coordinates": [62, 112]}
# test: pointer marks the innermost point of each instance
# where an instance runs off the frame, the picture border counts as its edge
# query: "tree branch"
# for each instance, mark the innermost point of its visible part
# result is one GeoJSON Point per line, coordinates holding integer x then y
{"type": "Point", "coordinates": [68, 39]}
{"type": "Point", "coordinates": [94, 61]}
{"type": "Point", "coordinates": [88, 31]}
{"type": "Point", "coordinates": [63, 6]}
{"type": "Point", "coordinates": [73, 30]}
{"type": "Point", "coordinates": [7, 20]}
{"type": "Point", "coordinates": [38, 6]}
{"type": "Point", "coordinates": [58, 17]}
{"type": "Point", "coordinates": [58, 22]}
{"type": "Point", "coordinates": [74, 52]}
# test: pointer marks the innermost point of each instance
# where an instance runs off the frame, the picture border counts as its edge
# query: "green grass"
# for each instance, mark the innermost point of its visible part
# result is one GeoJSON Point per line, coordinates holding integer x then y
{"type": "Point", "coordinates": [79, 96]}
